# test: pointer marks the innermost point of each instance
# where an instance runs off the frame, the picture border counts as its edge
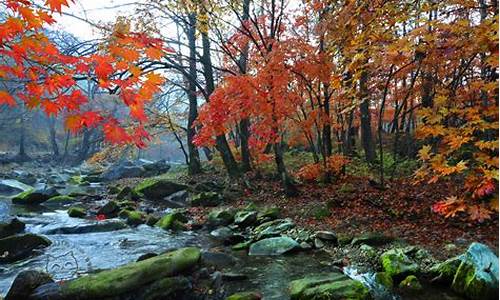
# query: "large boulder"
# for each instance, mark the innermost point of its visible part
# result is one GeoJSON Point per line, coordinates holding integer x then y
{"type": "Point", "coordinates": [25, 283]}
{"type": "Point", "coordinates": [155, 168]}
{"type": "Point", "coordinates": [124, 169]}
{"type": "Point", "coordinates": [133, 217]}
{"type": "Point", "coordinates": [397, 264]}
{"type": "Point", "coordinates": [24, 177]}
{"type": "Point", "coordinates": [12, 187]}
{"type": "Point", "coordinates": [110, 209]}
{"type": "Point", "coordinates": [477, 275]}
{"type": "Point", "coordinates": [273, 246]}
{"type": "Point", "coordinates": [18, 247]}
{"type": "Point", "coordinates": [35, 196]}
{"type": "Point", "coordinates": [156, 189]}
{"type": "Point", "coordinates": [328, 286]}
{"type": "Point", "coordinates": [176, 200]}
{"type": "Point", "coordinates": [11, 227]}
{"type": "Point", "coordinates": [138, 277]}
{"type": "Point", "coordinates": [166, 288]}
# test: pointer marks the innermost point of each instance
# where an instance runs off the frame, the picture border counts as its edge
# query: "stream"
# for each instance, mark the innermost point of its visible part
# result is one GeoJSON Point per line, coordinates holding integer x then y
{"type": "Point", "coordinates": [73, 254]}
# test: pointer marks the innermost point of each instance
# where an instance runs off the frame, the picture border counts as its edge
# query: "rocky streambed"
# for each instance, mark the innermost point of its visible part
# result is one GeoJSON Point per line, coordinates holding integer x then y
{"type": "Point", "coordinates": [74, 234]}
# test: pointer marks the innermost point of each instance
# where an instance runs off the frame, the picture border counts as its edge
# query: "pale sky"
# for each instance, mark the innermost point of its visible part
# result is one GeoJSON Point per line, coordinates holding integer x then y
{"type": "Point", "coordinates": [94, 11]}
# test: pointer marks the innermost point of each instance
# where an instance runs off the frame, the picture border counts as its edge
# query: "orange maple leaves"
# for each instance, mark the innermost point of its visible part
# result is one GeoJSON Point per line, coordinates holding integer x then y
{"type": "Point", "coordinates": [50, 76]}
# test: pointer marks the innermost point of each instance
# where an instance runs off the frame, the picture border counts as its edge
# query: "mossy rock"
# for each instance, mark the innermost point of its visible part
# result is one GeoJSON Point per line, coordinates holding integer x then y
{"type": "Point", "coordinates": [113, 189]}
{"type": "Point", "coordinates": [372, 239]}
{"type": "Point", "coordinates": [18, 247]}
{"type": "Point", "coordinates": [446, 270]}
{"type": "Point", "coordinates": [156, 189]}
{"type": "Point", "coordinates": [269, 214]}
{"type": "Point", "coordinates": [151, 220]}
{"type": "Point", "coordinates": [77, 212]}
{"type": "Point", "coordinates": [132, 277]}
{"type": "Point", "coordinates": [59, 200]}
{"type": "Point", "coordinates": [328, 286]}
{"type": "Point", "coordinates": [110, 209]}
{"type": "Point", "coordinates": [397, 265]}
{"type": "Point", "coordinates": [206, 199]}
{"type": "Point", "coordinates": [410, 284]}
{"type": "Point", "coordinates": [477, 275]}
{"type": "Point", "coordinates": [172, 221]}
{"type": "Point", "coordinates": [384, 279]}
{"type": "Point", "coordinates": [127, 193]}
{"type": "Point", "coordinates": [220, 217]}
{"type": "Point", "coordinates": [242, 246]}
{"type": "Point", "coordinates": [127, 204]}
{"type": "Point", "coordinates": [245, 296]}
{"type": "Point", "coordinates": [34, 196]}
{"type": "Point", "coordinates": [347, 188]}
{"type": "Point", "coordinates": [245, 218]}
{"type": "Point", "coordinates": [132, 217]}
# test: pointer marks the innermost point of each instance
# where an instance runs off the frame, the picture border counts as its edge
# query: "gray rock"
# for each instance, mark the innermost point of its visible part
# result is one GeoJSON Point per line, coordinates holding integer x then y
{"type": "Point", "coordinates": [226, 235]}
{"type": "Point", "coordinates": [122, 170]}
{"type": "Point", "coordinates": [318, 243]}
{"type": "Point", "coordinates": [245, 218]}
{"type": "Point", "coordinates": [176, 200]}
{"type": "Point", "coordinates": [273, 246]}
{"type": "Point", "coordinates": [273, 228]}
{"type": "Point", "coordinates": [25, 283]}
{"type": "Point", "coordinates": [156, 189]}
{"type": "Point", "coordinates": [219, 217]}
{"type": "Point", "coordinates": [18, 247]}
{"type": "Point", "coordinates": [35, 196]}
{"type": "Point", "coordinates": [11, 187]}
{"type": "Point", "coordinates": [101, 226]}
{"type": "Point", "coordinates": [11, 227]}
{"type": "Point", "coordinates": [477, 274]}
{"type": "Point", "coordinates": [327, 236]}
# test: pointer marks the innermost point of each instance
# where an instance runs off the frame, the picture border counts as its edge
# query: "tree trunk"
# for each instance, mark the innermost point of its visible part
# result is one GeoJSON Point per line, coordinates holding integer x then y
{"type": "Point", "coordinates": [244, 125]}
{"type": "Point", "coordinates": [22, 149]}
{"type": "Point", "coordinates": [221, 142]}
{"type": "Point", "coordinates": [366, 130]}
{"type": "Point", "coordinates": [194, 166]}
{"type": "Point", "coordinates": [53, 136]}
{"type": "Point", "coordinates": [288, 185]}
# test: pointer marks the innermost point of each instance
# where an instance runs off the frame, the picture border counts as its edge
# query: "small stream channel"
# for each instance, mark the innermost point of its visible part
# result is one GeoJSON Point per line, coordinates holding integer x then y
{"type": "Point", "coordinates": [71, 255]}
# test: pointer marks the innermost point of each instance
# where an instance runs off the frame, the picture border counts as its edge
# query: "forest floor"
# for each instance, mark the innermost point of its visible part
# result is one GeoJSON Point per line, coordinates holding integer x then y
{"type": "Point", "coordinates": [352, 205]}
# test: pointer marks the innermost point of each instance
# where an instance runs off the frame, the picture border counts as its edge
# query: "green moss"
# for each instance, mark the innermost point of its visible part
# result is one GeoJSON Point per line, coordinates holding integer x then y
{"type": "Point", "coordinates": [172, 221]}
{"type": "Point", "coordinates": [62, 199]}
{"type": "Point", "coordinates": [131, 277]}
{"type": "Point", "coordinates": [133, 217]}
{"type": "Point", "coordinates": [328, 287]}
{"type": "Point", "coordinates": [76, 212]}
{"type": "Point", "coordinates": [347, 188]}
{"type": "Point", "coordinates": [446, 270]}
{"type": "Point", "coordinates": [397, 265]}
{"type": "Point", "coordinates": [411, 284]}
{"type": "Point", "coordinates": [21, 197]}
{"type": "Point", "coordinates": [221, 217]}
{"type": "Point", "coordinates": [242, 246]}
{"type": "Point", "coordinates": [245, 296]}
{"type": "Point", "coordinates": [384, 279]}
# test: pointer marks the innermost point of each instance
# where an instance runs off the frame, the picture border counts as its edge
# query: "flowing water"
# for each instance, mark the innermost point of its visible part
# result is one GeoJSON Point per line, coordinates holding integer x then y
{"type": "Point", "coordinates": [71, 255]}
